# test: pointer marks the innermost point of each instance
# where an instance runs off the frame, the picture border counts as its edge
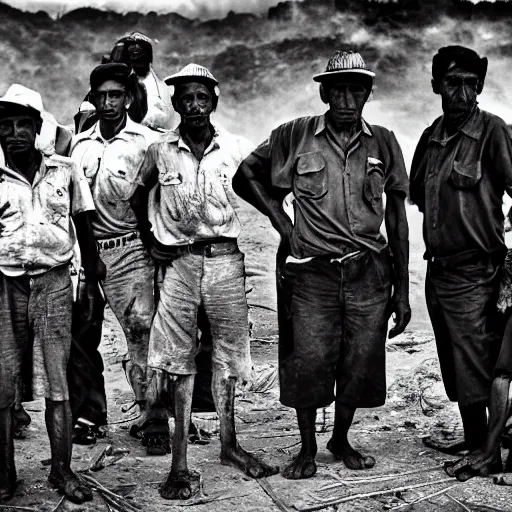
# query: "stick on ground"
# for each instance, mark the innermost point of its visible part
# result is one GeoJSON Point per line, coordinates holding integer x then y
{"type": "Point", "coordinates": [263, 483]}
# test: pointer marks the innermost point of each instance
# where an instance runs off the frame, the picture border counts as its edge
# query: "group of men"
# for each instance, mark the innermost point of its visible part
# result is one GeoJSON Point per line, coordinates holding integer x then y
{"type": "Point", "coordinates": [140, 197]}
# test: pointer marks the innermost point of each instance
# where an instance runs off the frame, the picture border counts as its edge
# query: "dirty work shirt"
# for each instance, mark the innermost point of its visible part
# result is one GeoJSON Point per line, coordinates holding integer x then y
{"type": "Point", "coordinates": [338, 195]}
{"type": "Point", "coordinates": [193, 200]}
{"type": "Point", "coordinates": [39, 234]}
{"type": "Point", "coordinates": [458, 183]}
{"type": "Point", "coordinates": [112, 168]}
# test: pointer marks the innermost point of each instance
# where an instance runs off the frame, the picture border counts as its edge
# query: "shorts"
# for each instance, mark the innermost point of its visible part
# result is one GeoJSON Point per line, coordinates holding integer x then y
{"type": "Point", "coordinates": [35, 315]}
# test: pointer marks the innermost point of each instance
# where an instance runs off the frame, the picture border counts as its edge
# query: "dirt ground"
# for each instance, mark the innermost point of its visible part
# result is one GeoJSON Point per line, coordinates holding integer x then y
{"type": "Point", "coordinates": [393, 434]}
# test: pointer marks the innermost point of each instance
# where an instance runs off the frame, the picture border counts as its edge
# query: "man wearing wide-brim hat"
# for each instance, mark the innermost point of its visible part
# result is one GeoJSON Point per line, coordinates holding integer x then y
{"type": "Point", "coordinates": [338, 278]}
{"type": "Point", "coordinates": [195, 229]}
{"type": "Point", "coordinates": [39, 194]}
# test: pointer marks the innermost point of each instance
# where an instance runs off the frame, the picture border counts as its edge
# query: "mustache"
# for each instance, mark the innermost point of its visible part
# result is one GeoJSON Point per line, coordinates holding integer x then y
{"type": "Point", "coordinates": [195, 116]}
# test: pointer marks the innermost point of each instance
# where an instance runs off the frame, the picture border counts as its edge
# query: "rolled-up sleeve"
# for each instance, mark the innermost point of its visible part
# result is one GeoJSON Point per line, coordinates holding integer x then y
{"type": "Point", "coordinates": [396, 175]}
{"type": "Point", "coordinates": [81, 196]}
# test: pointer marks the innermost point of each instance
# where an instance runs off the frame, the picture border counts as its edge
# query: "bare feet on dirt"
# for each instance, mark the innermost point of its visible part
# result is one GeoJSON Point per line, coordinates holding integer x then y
{"type": "Point", "coordinates": [350, 457]}
{"type": "Point", "coordinates": [249, 464]}
{"type": "Point", "coordinates": [178, 485]}
{"type": "Point", "coordinates": [478, 463]}
{"type": "Point", "coordinates": [302, 466]}
{"type": "Point", "coordinates": [68, 484]}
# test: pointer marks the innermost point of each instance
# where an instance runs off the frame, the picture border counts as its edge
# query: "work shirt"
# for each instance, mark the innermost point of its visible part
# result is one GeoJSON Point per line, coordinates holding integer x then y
{"type": "Point", "coordinates": [39, 234]}
{"type": "Point", "coordinates": [338, 194]}
{"type": "Point", "coordinates": [160, 115]}
{"type": "Point", "coordinates": [112, 169]}
{"type": "Point", "coordinates": [193, 199]}
{"type": "Point", "coordinates": [458, 183]}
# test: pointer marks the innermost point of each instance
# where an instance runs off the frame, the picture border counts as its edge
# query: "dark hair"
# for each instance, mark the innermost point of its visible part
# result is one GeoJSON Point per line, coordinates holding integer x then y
{"type": "Point", "coordinates": [464, 58]}
{"type": "Point", "coordinates": [113, 71]}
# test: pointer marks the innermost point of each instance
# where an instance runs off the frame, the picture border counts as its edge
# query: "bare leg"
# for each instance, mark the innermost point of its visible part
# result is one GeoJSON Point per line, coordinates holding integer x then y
{"type": "Point", "coordinates": [223, 389]}
{"type": "Point", "coordinates": [339, 446]}
{"type": "Point", "coordinates": [7, 468]}
{"type": "Point", "coordinates": [59, 427]}
{"type": "Point", "coordinates": [487, 459]}
{"type": "Point", "coordinates": [304, 465]}
{"type": "Point", "coordinates": [178, 483]}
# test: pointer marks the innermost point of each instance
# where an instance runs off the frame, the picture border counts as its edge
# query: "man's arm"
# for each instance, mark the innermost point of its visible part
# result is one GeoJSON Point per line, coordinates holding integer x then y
{"type": "Point", "coordinates": [397, 230]}
{"type": "Point", "coordinates": [93, 270]}
{"type": "Point", "coordinates": [252, 183]}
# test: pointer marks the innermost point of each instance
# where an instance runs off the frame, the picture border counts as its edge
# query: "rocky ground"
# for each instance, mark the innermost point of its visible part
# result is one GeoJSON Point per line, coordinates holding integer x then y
{"type": "Point", "coordinates": [416, 407]}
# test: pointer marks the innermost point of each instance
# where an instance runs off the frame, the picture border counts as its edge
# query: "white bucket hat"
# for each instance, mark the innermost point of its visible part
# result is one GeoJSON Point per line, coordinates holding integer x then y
{"type": "Point", "coordinates": [23, 96]}
{"type": "Point", "coordinates": [344, 62]}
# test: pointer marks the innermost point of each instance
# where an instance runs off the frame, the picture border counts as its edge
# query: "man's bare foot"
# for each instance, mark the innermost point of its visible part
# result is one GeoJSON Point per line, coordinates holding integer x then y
{"type": "Point", "coordinates": [302, 466]}
{"type": "Point", "coordinates": [68, 484]}
{"type": "Point", "coordinates": [478, 463]}
{"type": "Point", "coordinates": [350, 457]}
{"type": "Point", "coordinates": [178, 485]}
{"type": "Point", "coordinates": [249, 464]}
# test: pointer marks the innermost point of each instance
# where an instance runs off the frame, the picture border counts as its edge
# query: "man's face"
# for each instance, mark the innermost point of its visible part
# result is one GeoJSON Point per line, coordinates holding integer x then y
{"type": "Point", "coordinates": [18, 133]}
{"type": "Point", "coordinates": [140, 57]}
{"type": "Point", "coordinates": [346, 99]}
{"type": "Point", "coordinates": [458, 89]}
{"type": "Point", "coordinates": [194, 102]}
{"type": "Point", "coordinates": [111, 101]}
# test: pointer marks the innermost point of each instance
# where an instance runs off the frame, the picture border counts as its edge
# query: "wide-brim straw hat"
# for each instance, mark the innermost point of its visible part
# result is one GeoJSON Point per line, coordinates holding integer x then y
{"type": "Point", "coordinates": [342, 63]}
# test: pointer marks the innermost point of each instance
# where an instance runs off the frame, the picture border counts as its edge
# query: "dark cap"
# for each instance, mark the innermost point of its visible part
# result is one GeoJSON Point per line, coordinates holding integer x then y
{"type": "Point", "coordinates": [463, 58]}
{"type": "Point", "coordinates": [112, 71]}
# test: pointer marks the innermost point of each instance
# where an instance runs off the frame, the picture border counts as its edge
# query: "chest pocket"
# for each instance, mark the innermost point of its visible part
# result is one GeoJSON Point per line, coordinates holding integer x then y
{"type": "Point", "coordinates": [310, 178]}
{"type": "Point", "coordinates": [373, 186]}
{"type": "Point", "coordinates": [119, 185]}
{"type": "Point", "coordinates": [55, 196]}
{"type": "Point", "coordinates": [465, 176]}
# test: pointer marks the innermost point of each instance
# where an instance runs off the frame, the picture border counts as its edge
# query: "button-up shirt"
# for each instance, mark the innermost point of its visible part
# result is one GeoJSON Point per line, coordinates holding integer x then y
{"type": "Point", "coordinates": [38, 232]}
{"type": "Point", "coordinates": [458, 182]}
{"type": "Point", "coordinates": [193, 199]}
{"type": "Point", "coordinates": [338, 192]}
{"type": "Point", "coordinates": [112, 169]}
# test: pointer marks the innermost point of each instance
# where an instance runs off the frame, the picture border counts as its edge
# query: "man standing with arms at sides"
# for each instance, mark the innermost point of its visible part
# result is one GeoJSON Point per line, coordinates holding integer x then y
{"type": "Point", "coordinates": [195, 230]}
{"type": "Point", "coordinates": [334, 267]}
{"type": "Point", "coordinates": [110, 154]}
{"type": "Point", "coordinates": [461, 168]}
{"type": "Point", "coordinates": [38, 193]}
{"type": "Point", "coordinates": [138, 53]}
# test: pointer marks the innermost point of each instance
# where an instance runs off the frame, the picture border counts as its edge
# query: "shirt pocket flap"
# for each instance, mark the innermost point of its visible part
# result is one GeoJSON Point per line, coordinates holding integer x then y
{"type": "Point", "coordinates": [465, 176]}
{"type": "Point", "coordinates": [310, 162]}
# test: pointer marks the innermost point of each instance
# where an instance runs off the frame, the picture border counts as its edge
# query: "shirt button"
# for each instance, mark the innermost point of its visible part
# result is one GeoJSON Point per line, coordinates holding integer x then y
{"type": "Point", "coordinates": [434, 225]}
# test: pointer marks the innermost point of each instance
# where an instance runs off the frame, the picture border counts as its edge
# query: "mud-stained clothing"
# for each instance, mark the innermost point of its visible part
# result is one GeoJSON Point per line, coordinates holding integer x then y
{"type": "Point", "coordinates": [194, 223]}
{"type": "Point", "coordinates": [504, 306]}
{"type": "Point", "coordinates": [332, 314]}
{"type": "Point", "coordinates": [35, 315]}
{"type": "Point", "coordinates": [458, 183]}
{"type": "Point", "coordinates": [38, 233]}
{"type": "Point", "coordinates": [338, 194]}
{"type": "Point", "coordinates": [193, 200]}
{"type": "Point", "coordinates": [112, 169]}
{"type": "Point", "coordinates": [339, 332]}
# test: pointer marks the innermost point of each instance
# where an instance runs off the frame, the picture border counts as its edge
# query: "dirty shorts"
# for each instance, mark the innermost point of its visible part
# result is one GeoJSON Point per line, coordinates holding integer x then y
{"type": "Point", "coordinates": [218, 283]}
{"type": "Point", "coordinates": [338, 314]}
{"type": "Point", "coordinates": [35, 318]}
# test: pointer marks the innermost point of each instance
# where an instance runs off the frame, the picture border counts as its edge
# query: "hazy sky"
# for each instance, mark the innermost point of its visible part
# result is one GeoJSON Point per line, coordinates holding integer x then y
{"type": "Point", "coordinates": [203, 9]}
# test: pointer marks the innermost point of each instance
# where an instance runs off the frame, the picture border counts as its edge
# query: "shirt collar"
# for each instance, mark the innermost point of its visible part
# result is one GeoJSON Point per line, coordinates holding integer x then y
{"type": "Point", "coordinates": [473, 128]}
{"type": "Point", "coordinates": [321, 126]}
{"type": "Point", "coordinates": [174, 137]}
{"type": "Point", "coordinates": [130, 128]}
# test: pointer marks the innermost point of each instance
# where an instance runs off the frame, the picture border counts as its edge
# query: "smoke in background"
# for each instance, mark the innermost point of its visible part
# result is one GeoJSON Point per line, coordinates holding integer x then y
{"type": "Point", "coordinates": [193, 9]}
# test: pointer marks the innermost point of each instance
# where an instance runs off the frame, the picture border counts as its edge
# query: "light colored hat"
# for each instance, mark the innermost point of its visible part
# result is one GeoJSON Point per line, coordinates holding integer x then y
{"type": "Point", "coordinates": [344, 62]}
{"type": "Point", "coordinates": [193, 71]}
{"type": "Point", "coordinates": [22, 96]}
{"type": "Point", "coordinates": [136, 36]}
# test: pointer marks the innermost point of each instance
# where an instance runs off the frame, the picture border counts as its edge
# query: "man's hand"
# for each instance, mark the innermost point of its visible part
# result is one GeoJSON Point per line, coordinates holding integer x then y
{"type": "Point", "coordinates": [88, 299]}
{"type": "Point", "coordinates": [402, 310]}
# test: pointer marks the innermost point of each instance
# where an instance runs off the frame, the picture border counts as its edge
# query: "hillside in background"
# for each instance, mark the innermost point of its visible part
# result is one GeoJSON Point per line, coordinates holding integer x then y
{"type": "Point", "coordinates": [265, 63]}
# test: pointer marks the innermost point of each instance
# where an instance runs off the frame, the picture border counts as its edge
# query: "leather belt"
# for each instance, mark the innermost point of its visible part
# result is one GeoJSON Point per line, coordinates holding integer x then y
{"type": "Point", "coordinates": [119, 241]}
{"type": "Point", "coordinates": [207, 248]}
{"type": "Point", "coordinates": [466, 258]}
